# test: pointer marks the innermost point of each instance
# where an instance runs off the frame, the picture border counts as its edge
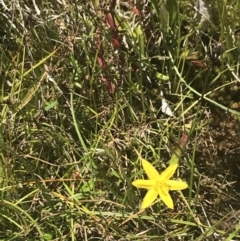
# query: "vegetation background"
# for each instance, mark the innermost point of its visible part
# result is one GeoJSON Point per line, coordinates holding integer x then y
{"type": "Point", "coordinates": [82, 87]}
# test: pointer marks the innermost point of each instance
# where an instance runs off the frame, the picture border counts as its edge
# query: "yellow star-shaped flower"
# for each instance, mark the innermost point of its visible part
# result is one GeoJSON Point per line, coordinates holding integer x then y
{"type": "Point", "coordinates": [159, 184]}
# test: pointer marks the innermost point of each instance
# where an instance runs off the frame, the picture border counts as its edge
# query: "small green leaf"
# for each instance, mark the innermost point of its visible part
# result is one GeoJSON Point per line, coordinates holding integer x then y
{"type": "Point", "coordinates": [50, 105]}
{"type": "Point", "coordinates": [163, 77]}
{"type": "Point", "coordinates": [172, 8]}
{"type": "Point", "coordinates": [179, 149]}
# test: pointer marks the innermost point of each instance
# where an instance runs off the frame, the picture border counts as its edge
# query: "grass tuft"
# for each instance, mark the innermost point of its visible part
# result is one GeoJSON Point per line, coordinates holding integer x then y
{"type": "Point", "coordinates": [88, 88]}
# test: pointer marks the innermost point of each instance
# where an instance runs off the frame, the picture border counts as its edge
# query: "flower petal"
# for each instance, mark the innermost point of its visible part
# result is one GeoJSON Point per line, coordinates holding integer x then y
{"type": "Point", "coordinates": [149, 198]}
{"type": "Point", "coordinates": [166, 198]}
{"type": "Point", "coordinates": [144, 183]}
{"type": "Point", "coordinates": [150, 170]}
{"type": "Point", "coordinates": [176, 185]}
{"type": "Point", "coordinates": [167, 173]}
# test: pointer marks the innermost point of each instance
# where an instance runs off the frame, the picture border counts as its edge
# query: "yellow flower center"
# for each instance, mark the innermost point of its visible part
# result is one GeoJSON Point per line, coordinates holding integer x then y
{"type": "Point", "coordinates": [162, 186]}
